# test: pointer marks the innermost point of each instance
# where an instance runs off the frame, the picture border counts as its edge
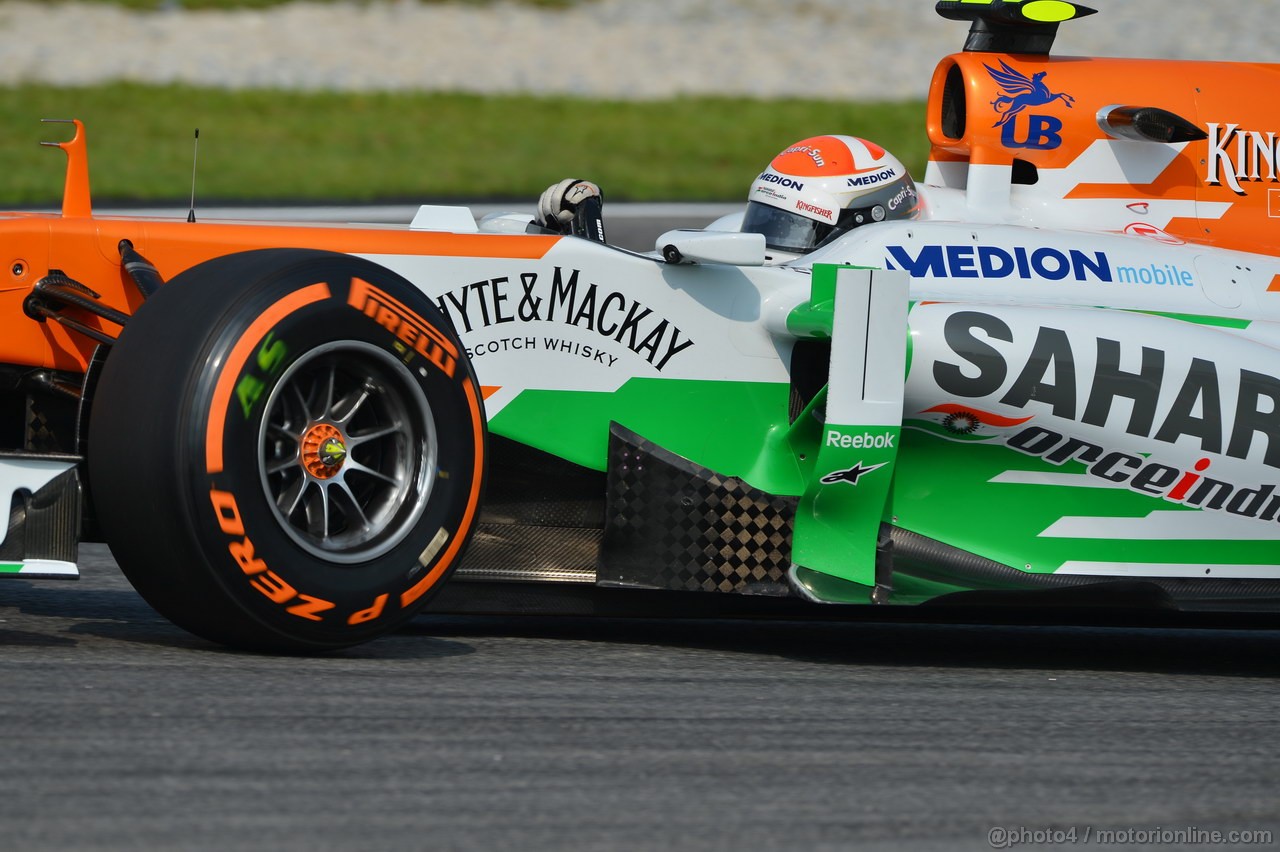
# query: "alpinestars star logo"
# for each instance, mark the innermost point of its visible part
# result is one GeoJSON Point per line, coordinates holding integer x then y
{"type": "Point", "coordinates": [852, 475]}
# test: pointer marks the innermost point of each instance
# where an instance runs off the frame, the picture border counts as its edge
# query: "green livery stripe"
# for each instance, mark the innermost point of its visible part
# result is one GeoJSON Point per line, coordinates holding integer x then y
{"type": "Point", "coordinates": [911, 341]}
{"type": "Point", "coordinates": [813, 319]}
{"type": "Point", "coordinates": [42, 569]}
{"type": "Point", "coordinates": [1220, 322]}
{"type": "Point", "coordinates": [1166, 552]}
{"type": "Point", "coordinates": [735, 428]}
{"type": "Point", "coordinates": [945, 490]}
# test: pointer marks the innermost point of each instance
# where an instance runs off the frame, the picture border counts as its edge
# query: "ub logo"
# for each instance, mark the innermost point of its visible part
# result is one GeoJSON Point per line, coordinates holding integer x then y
{"type": "Point", "coordinates": [1018, 93]}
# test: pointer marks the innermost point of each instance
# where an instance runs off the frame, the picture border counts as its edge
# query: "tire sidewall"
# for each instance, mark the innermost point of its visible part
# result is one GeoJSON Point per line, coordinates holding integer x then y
{"type": "Point", "coordinates": [291, 312]}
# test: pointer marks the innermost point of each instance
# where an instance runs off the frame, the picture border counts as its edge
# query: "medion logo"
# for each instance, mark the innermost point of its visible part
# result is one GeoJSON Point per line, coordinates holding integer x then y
{"type": "Point", "coordinates": [967, 261]}
{"type": "Point", "coordinates": [871, 179]}
{"type": "Point", "coordinates": [770, 177]}
{"type": "Point", "coordinates": [1240, 155]}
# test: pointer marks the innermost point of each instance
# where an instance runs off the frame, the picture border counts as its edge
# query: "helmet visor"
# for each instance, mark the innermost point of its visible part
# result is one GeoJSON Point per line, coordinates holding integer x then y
{"type": "Point", "coordinates": [782, 229]}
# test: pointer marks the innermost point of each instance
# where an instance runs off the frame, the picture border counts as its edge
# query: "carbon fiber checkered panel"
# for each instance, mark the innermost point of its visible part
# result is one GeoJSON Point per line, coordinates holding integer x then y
{"type": "Point", "coordinates": [673, 524]}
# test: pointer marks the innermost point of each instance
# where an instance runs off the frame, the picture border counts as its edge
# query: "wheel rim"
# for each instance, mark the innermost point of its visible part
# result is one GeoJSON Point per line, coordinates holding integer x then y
{"type": "Point", "coordinates": [347, 452]}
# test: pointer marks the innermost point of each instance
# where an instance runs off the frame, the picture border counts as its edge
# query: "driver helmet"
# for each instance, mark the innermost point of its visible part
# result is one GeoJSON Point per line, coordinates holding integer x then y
{"type": "Point", "coordinates": [824, 186]}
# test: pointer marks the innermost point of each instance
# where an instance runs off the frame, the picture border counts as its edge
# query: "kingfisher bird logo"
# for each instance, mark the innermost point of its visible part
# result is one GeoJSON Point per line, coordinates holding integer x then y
{"type": "Point", "coordinates": [1018, 92]}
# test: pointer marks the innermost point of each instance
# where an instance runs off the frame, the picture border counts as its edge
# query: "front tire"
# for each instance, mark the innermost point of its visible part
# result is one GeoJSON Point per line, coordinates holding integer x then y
{"type": "Point", "coordinates": [286, 450]}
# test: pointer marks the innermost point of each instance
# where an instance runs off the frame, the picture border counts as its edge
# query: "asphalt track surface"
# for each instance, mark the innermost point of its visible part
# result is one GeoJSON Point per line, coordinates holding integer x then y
{"type": "Point", "coordinates": [122, 732]}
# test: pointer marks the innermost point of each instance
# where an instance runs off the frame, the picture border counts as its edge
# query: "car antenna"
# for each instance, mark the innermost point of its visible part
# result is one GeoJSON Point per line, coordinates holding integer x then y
{"type": "Point", "coordinates": [195, 156]}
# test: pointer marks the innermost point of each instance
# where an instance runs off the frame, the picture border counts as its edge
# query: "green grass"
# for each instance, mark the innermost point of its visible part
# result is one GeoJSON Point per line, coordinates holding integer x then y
{"type": "Point", "coordinates": [367, 147]}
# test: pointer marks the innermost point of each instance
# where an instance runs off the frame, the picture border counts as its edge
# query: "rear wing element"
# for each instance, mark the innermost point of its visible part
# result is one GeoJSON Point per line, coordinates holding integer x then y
{"type": "Point", "coordinates": [1011, 26]}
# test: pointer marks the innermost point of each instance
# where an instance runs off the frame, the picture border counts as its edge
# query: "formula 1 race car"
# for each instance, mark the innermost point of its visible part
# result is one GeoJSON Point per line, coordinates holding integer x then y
{"type": "Point", "coordinates": [291, 436]}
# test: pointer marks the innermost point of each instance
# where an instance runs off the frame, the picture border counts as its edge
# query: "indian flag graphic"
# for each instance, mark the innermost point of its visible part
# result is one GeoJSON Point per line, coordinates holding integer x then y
{"type": "Point", "coordinates": [962, 422]}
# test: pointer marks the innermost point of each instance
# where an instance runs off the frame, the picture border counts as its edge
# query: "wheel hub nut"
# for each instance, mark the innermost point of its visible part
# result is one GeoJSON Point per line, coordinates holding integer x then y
{"type": "Point", "coordinates": [323, 451]}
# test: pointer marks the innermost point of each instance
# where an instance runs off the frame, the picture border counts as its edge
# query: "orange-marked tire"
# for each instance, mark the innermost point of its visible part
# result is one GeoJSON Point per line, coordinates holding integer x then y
{"type": "Point", "coordinates": [286, 450]}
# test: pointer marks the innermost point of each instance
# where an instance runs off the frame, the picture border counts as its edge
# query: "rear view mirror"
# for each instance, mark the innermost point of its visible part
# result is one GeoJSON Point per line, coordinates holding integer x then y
{"type": "Point", "coordinates": [728, 247]}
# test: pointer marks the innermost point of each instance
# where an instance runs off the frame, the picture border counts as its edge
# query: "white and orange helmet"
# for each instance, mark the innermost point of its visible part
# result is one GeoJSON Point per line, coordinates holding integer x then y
{"type": "Point", "coordinates": [824, 186]}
